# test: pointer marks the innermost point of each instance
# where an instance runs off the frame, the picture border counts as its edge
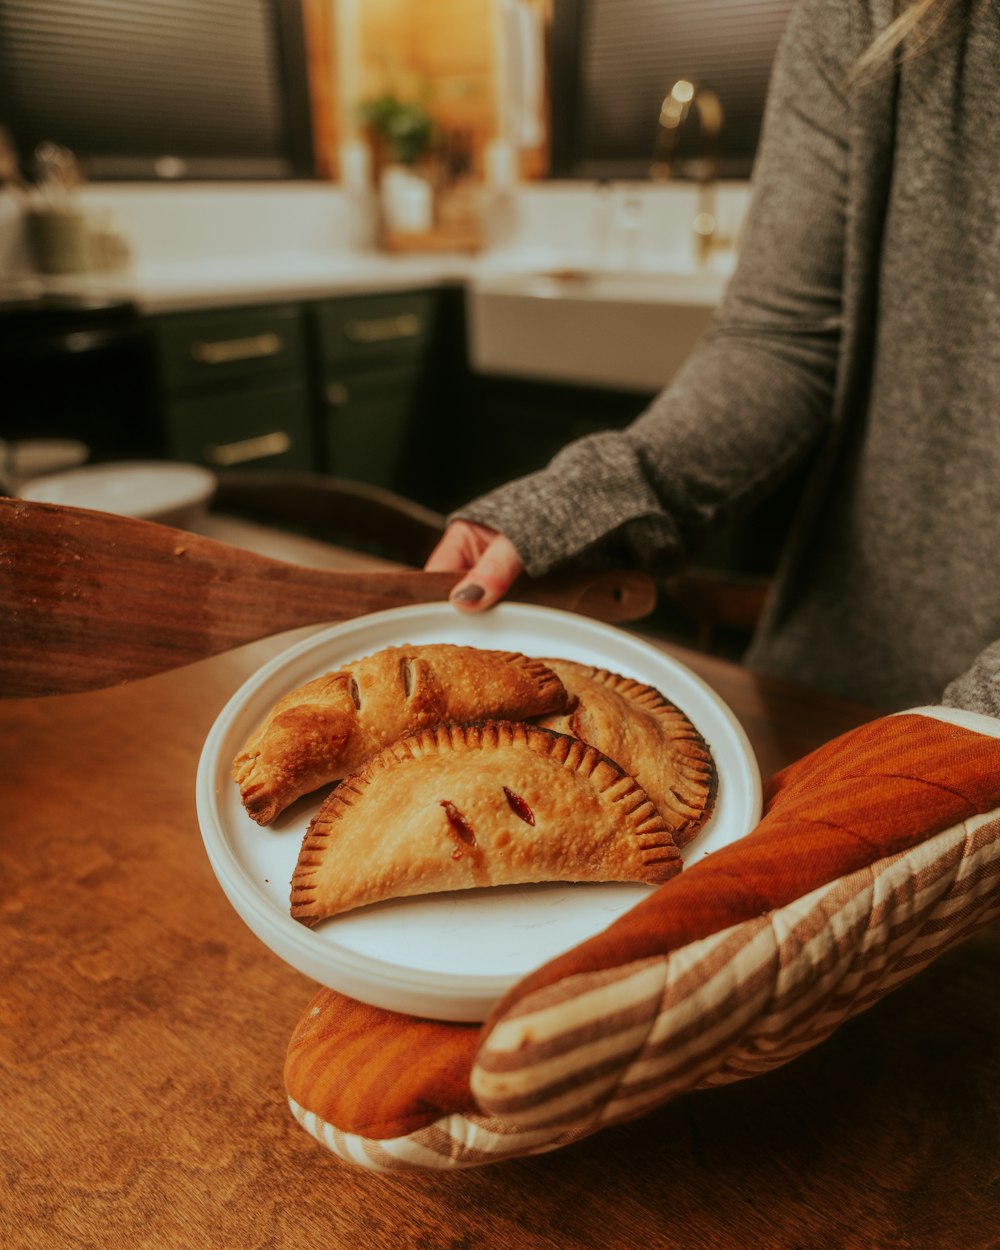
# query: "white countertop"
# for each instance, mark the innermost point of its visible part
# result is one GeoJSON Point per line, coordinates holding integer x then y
{"type": "Point", "coordinates": [182, 286]}
{"type": "Point", "coordinates": [204, 247]}
{"type": "Point", "coordinates": [288, 277]}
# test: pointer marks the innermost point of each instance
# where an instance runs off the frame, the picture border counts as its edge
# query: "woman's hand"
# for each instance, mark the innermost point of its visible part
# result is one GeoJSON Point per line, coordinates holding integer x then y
{"type": "Point", "coordinates": [489, 560]}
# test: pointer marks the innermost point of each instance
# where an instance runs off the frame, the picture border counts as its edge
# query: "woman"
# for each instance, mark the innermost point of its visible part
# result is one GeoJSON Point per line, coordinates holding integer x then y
{"type": "Point", "coordinates": [861, 330]}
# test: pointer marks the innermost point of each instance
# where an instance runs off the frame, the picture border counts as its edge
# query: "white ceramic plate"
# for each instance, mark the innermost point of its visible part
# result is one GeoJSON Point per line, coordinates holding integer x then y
{"type": "Point", "coordinates": [445, 956]}
{"type": "Point", "coordinates": [163, 491]}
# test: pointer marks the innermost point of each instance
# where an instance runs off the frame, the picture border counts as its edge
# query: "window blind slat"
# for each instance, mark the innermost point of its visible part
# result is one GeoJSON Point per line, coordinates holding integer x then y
{"type": "Point", "coordinates": [630, 52]}
{"type": "Point", "coordinates": [131, 82]}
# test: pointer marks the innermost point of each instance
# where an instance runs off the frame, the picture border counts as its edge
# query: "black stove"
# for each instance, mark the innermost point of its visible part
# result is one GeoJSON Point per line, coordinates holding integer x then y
{"type": "Point", "coordinates": [81, 367]}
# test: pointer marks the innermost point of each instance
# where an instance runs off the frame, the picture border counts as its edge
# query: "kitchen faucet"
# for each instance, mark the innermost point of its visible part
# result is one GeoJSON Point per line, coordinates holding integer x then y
{"type": "Point", "coordinates": [675, 110]}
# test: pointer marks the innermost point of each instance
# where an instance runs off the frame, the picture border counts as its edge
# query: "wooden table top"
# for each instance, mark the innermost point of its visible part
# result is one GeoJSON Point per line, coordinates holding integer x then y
{"type": "Point", "coordinates": [143, 1031]}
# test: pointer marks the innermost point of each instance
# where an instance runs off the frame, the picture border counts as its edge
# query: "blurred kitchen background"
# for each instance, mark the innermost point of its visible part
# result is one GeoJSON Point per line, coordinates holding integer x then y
{"type": "Point", "coordinates": [414, 244]}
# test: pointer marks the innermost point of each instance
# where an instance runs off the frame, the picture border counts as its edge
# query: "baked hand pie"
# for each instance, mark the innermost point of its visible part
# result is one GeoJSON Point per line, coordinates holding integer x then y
{"type": "Point", "coordinates": [644, 733]}
{"type": "Point", "coordinates": [329, 727]}
{"type": "Point", "coordinates": [459, 806]}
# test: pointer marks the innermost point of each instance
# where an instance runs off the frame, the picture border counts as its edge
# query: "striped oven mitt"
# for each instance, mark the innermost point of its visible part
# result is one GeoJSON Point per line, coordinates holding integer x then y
{"type": "Point", "coordinates": [875, 854]}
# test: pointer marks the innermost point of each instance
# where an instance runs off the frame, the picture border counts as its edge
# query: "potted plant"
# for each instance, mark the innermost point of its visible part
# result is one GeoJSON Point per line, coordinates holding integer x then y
{"type": "Point", "coordinates": [403, 134]}
{"type": "Point", "coordinates": [403, 130]}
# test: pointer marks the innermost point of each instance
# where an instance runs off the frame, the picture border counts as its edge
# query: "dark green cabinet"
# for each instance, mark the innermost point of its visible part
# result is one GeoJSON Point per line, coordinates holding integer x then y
{"type": "Point", "coordinates": [353, 386]}
{"type": "Point", "coordinates": [376, 356]}
{"type": "Point", "coordinates": [268, 425]}
{"type": "Point", "coordinates": [364, 331]}
{"type": "Point", "coordinates": [367, 422]}
{"type": "Point", "coordinates": [235, 387]}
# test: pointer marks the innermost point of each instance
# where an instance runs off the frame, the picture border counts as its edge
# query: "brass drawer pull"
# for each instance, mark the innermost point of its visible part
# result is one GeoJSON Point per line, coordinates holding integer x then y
{"type": "Point", "coordinates": [226, 351]}
{"type": "Point", "coordinates": [336, 394]}
{"type": "Point", "coordinates": [383, 329]}
{"type": "Point", "coordinates": [225, 455]}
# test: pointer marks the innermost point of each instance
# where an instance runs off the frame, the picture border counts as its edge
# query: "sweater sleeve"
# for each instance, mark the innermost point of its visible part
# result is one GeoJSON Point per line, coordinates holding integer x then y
{"type": "Point", "coordinates": [756, 394]}
{"type": "Point", "coordinates": [978, 688]}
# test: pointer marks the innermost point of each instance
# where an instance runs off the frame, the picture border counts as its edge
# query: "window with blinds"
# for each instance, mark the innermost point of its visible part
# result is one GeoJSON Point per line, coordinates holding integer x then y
{"type": "Point", "coordinates": [159, 88]}
{"type": "Point", "coordinates": [613, 61]}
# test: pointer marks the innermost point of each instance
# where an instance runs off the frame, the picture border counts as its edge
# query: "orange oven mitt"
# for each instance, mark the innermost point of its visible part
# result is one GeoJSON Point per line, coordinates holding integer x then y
{"type": "Point", "coordinates": [875, 854]}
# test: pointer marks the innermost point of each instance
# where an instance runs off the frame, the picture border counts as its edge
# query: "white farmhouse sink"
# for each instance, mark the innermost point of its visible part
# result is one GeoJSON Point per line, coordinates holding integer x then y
{"type": "Point", "coordinates": [625, 329]}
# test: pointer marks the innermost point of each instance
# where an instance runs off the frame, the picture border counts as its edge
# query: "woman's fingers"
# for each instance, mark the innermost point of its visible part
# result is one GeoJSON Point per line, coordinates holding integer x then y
{"type": "Point", "coordinates": [489, 561]}
{"type": "Point", "coordinates": [490, 578]}
{"type": "Point", "coordinates": [459, 547]}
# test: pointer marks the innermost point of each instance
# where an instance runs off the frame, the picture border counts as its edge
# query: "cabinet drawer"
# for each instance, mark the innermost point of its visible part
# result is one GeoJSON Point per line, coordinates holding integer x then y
{"type": "Point", "coordinates": [268, 426]}
{"type": "Point", "coordinates": [221, 347]}
{"type": "Point", "coordinates": [375, 327]}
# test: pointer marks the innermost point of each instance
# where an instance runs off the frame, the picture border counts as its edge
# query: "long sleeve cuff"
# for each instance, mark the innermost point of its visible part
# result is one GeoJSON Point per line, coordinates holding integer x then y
{"type": "Point", "coordinates": [978, 688]}
{"type": "Point", "coordinates": [593, 503]}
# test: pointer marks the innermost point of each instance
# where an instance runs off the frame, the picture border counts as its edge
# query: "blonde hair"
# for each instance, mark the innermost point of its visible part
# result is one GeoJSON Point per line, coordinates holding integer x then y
{"type": "Point", "coordinates": [917, 23]}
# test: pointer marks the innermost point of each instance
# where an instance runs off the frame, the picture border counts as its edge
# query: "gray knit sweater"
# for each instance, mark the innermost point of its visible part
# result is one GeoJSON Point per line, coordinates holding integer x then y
{"type": "Point", "coordinates": [862, 327]}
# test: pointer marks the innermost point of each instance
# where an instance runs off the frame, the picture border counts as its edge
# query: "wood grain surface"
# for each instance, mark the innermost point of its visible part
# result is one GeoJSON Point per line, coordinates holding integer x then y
{"type": "Point", "coordinates": [92, 599]}
{"type": "Point", "coordinates": [143, 1030]}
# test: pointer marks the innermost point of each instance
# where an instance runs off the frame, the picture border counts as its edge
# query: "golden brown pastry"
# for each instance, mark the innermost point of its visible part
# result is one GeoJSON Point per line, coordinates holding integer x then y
{"type": "Point", "coordinates": [459, 806]}
{"type": "Point", "coordinates": [329, 727]}
{"type": "Point", "coordinates": [644, 733]}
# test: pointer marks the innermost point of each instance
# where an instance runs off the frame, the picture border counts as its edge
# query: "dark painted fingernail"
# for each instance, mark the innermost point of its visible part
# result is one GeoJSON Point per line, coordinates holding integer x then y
{"type": "Point", "coordinates": [469, 593]}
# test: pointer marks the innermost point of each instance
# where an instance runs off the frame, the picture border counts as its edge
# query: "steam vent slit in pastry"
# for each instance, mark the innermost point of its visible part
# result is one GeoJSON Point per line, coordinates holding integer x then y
{"type": "Point", "coordinates": [464, 805]}
{"type": "Point", "coordinates": [644, 733]}
{"type": "Point", "coordinates": [328, 728]}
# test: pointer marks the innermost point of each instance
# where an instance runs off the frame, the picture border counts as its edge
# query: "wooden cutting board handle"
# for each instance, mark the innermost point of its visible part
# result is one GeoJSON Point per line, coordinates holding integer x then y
{"type": "Point", "coordinates": [92, 599]}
